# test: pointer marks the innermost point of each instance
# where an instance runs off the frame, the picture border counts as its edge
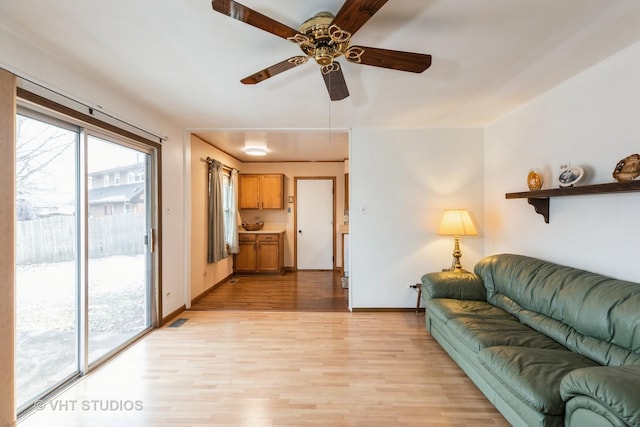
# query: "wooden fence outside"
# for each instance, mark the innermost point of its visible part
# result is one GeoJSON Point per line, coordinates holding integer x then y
{"type": "Point", "coordinates": [53, 239]}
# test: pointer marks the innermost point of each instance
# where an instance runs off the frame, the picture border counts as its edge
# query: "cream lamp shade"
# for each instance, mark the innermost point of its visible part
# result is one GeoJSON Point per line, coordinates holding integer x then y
{"type": "Point", "coordinates": [457, 222]}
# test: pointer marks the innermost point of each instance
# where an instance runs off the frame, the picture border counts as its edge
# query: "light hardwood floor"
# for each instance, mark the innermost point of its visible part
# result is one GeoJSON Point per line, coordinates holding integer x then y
{"type": "Point", "coordinates": [258, 367]}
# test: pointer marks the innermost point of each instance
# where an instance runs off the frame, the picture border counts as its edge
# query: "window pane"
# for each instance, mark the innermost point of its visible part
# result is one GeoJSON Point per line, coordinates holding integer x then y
{"type": "Point", "coordinates": [118, 272]}
{"type": "Point", "coordinates": [46, 254]}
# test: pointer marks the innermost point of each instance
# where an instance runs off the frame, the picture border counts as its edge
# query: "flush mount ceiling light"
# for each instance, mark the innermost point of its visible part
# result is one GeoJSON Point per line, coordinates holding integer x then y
{"type": "Point", "coordinates": [255, 151]}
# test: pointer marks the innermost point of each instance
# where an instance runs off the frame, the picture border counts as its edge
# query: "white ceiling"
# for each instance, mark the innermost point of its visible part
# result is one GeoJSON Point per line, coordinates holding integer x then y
{"type": "Point", "coordinates": [183, 60]}
{"type": "Point", "coordinates": [281, 145]}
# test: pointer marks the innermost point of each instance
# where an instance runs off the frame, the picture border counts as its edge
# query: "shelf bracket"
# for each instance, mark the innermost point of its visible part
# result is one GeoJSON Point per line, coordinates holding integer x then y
{"type": "Point", "coordinates": [541, 206]}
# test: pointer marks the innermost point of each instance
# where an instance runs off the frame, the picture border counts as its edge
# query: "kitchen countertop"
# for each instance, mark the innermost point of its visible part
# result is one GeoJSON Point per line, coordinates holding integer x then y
{"type": "Point", "coordinates": [267, 229]}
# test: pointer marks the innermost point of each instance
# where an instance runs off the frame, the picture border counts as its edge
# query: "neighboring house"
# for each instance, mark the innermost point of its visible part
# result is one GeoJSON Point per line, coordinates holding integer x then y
{"type": "Point", "coordinates": [117, 190]}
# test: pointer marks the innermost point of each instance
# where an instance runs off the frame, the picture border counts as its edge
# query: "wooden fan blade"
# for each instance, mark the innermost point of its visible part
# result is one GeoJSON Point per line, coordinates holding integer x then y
{"type": "Point", "coordinates": [251, 17]}
{"type": "Point", "coordinates": [394, 59]}
{"type": "Point", "coordinates": [336, 85]}
{"type": "Point", "coordinates": [274, 69]}
{"type": "Point", "coordinates": [355, 13]}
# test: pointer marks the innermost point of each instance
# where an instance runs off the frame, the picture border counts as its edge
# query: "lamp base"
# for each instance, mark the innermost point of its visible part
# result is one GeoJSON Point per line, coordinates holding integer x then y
{"type": "Point", "coordinates": [456, 266]}
{"type": "Point", "coordinates": [457, 254]}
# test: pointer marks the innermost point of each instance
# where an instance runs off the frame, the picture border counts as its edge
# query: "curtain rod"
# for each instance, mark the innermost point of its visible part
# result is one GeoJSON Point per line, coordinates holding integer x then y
{"type": "Point", "coordinates": [210, 160]}
{"type": "Point", "coordinates": [91, 108]}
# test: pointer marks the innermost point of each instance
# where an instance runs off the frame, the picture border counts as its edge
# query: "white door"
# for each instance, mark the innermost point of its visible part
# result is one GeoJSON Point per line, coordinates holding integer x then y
{"type": "Point", "coordinates": [314, 220]}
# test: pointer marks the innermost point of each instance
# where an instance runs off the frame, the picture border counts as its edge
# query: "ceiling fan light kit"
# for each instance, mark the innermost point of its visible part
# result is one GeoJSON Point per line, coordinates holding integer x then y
{"type": "Point", "coordinates": [324, 38]}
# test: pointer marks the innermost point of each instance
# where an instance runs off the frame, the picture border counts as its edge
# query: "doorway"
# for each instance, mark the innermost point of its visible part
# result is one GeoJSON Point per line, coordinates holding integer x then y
{"type": "Point", "coordinates": [315, 223]}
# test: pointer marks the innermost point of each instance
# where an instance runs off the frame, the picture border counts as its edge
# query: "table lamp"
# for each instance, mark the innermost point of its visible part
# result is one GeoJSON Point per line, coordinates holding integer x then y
{"type": "Point", "coordinates": [457, 222]}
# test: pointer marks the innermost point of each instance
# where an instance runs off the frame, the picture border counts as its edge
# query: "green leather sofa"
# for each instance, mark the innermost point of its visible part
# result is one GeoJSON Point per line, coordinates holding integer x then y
{"type": "Point", "coordinates": [548, 345]}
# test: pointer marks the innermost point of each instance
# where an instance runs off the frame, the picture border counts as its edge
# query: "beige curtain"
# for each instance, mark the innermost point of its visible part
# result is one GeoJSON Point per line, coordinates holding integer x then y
{"type": "Point", "coordinates": [216, 248]}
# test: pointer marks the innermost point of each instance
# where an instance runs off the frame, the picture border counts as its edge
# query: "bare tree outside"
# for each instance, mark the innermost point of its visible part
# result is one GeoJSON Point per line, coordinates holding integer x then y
{"type": "Point", "coordinates": [40, 149]}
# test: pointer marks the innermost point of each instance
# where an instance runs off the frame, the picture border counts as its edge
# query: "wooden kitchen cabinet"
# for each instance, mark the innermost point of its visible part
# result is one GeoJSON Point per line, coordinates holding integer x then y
{"type": "Point", "coordinates": [260, 253]}
{"type": "Point", "coordinates": [245, 260]}
{"type": "Point", "coordinates": [270, 253]}
{"type": "Point", "coordinates": [261, 191]}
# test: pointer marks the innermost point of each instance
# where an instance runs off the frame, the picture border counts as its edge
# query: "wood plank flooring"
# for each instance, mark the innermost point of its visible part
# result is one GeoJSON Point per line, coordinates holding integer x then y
{"type": "Point", "coordinates": [277, 368]}
{"type": "Point", "coordinates": [297, 291]}
{"type": "Point", "coordinates": [240, 359]}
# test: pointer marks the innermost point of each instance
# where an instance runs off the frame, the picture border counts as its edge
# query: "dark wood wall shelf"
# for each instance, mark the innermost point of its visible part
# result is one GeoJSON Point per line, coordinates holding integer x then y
{"type": "Point", "coordinates": [539, 199]}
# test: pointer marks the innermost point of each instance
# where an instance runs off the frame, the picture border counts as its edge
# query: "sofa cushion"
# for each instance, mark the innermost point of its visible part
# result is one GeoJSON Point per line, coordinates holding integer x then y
{"type": "Point", "coordinates": [445, 309]}
{"type": "Point", "coordinates": [479, 333]}
{"type": "Point", "coordinates": [589, 304]}
{"type": "Point", "coordinates": [533, 374]}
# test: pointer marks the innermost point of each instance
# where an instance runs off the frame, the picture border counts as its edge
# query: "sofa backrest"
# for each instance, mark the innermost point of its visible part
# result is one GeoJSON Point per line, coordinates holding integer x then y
{"type": "Point", "coordinates": [594, 315]}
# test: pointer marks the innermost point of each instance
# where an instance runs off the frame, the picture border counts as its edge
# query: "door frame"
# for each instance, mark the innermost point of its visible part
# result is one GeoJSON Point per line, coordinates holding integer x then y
{"type": "Point", "coordinates": [151, 246]}
{"type": "Point", "coordinates": [295, 216]}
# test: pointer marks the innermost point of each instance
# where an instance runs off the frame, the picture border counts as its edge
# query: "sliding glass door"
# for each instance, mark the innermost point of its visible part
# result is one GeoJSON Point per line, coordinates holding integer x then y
{"type": "Point", "coordinates": [84, 250]}
{"type": "Point", "coordinates": [118, 267]}
{"type": "Point", "coordinates": [47, 310]}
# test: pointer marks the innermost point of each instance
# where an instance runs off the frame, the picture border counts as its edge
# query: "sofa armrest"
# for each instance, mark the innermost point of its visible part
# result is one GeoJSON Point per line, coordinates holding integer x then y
{"type": "Point", "coordinates": [448, 284]}
{"type": "Point", "coordinates": [614, 387]}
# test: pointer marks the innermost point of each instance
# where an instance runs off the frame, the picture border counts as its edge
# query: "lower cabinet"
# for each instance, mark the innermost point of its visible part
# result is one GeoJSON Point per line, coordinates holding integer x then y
{"type": "Point", "coordinates": [260, 253]}
{"type": "Point", "coordinates": [245, 260]}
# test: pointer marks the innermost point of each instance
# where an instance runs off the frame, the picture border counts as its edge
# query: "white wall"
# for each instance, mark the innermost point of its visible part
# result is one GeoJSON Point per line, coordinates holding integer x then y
{"type": "Point", "coordinates": [591, 120]}
{"type": "Point", "coordinates": [30, 61]}
{"type": "Point", "coordinates": [403, 180]}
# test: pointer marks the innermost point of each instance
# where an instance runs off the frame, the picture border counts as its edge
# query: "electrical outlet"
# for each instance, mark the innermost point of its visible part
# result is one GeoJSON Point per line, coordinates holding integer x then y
{"type": "Point", "coordinates": [565, 165]}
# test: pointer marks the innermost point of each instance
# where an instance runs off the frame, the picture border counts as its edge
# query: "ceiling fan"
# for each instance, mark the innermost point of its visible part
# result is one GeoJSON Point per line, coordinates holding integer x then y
{"type": "Point", "coordinates": [324, 38]}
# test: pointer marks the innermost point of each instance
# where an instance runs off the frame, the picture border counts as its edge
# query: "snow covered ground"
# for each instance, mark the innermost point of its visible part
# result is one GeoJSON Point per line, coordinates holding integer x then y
{"type": "Point", "coordinates": [47, 317]}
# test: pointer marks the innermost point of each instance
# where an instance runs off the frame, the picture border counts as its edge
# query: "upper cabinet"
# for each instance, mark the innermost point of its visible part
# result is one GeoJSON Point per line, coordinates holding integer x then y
{"type": "Point", "coordinates": [261, 191]}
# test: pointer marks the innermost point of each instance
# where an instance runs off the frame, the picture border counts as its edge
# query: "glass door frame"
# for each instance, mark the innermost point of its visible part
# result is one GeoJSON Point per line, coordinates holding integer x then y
{"type": "Point", "coordinates": [52, 120]}
{"type": "Point", "coordinates": [89, 126]}
{"type": "Point", "coordinates": [150, 252]}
